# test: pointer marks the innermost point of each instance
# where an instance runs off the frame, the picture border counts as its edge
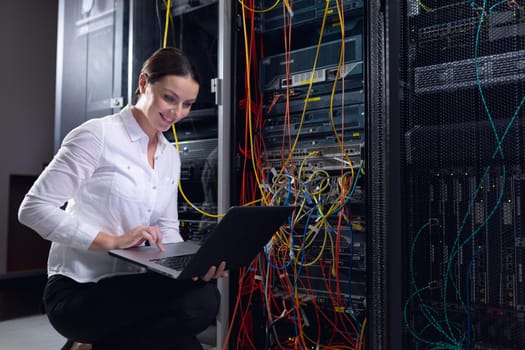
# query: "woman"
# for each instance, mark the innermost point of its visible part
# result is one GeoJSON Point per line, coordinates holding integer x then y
{"type": "Point", "coordinates": [119, 175]}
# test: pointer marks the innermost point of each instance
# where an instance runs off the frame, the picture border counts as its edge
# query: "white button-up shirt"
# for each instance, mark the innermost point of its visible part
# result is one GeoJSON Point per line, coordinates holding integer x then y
{"type": "Point", "coordinates": [102, 172]}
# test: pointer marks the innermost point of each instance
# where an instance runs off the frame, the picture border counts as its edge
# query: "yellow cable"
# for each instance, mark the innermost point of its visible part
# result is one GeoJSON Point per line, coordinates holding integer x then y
{"type": "Point", "coordinates": [321, 251]}
{"type": "Point", "coordinates": [168, 8]}
{"type": "Point", "coordinates": [324, 182]}
{"type": "Point", "coordinates": [172, 26]}
{"type": "Point", "coordinates": [259, 11]}
{"type": "Point", "coordinates": [423, 6]}
{"type": "Point", "coordinates": [340, 141]}
{"type": "Point", "coordinates": [361, 335]}
{"type": "Point", "coordinates": [181, 191]}
{"type": "Point", "coordinates": [215, 216]}
{"type": "Point", "coordinates": [253, 202]}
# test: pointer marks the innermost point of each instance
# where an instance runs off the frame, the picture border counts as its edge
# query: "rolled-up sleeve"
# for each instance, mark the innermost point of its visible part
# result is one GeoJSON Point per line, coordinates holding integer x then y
{"type": "Point", "coordinates": [75, 161]}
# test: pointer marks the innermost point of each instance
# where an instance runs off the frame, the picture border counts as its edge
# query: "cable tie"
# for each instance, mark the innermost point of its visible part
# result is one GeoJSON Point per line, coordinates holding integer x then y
{"type": "Point", "coordinates": [342, 161]}
{"type": "Point", "coordinates": [258, 277]}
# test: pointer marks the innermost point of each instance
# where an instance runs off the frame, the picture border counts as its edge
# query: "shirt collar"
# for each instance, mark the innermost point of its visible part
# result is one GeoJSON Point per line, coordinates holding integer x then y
{"type": "Point", "coordinates": [134, 130]}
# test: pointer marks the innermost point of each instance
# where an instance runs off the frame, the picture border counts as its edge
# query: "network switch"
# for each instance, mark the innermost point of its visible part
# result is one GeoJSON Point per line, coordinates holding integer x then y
{"type": "Point", "coordinates": [314, 101]}
{"type": "Point", "coordinates": [301, 12]}
{"type": "Point", "coordinates": [479, 72]}
{"type": "Point", "coordinates": [316, 123]}
{"type": "Point", "coordinates": [296, 68]}
{"type": "Point", "coordinates": [325, 157]}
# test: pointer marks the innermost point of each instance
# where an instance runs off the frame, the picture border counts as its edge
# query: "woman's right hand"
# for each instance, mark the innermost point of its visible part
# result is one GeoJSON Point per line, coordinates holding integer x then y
{"type": "Point", "coordinates": [105, 242]}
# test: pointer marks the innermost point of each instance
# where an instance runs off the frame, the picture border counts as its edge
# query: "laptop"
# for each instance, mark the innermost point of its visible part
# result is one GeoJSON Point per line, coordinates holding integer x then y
{"type": "Point", "coordinates": [237, 239]}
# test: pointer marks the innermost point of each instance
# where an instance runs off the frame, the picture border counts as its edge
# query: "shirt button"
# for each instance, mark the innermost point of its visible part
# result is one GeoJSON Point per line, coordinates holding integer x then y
{"type": "Point", "coordinates": [154, 187]}
{"type": "Point", "coordinates": [149, 210]}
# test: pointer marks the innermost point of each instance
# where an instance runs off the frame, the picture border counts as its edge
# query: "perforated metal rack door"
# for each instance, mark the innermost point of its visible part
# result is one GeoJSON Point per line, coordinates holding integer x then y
{"type": "Point", "coordinates": [465, 158]}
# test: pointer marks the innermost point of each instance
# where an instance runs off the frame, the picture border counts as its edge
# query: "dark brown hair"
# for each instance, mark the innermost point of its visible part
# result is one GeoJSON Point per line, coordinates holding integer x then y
{"type": "Point", "coordinates": [168, 61]}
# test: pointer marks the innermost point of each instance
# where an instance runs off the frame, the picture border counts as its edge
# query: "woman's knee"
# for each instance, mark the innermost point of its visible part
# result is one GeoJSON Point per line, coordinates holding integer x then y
{"type": "Point", "coordinates": [200, 306]}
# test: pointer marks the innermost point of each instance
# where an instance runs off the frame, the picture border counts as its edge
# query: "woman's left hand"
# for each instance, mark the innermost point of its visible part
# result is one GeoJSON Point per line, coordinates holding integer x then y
{"type": "Point", "coordinates": [214, 273]}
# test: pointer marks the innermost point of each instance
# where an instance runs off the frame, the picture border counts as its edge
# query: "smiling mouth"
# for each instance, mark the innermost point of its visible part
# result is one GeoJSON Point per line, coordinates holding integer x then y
{"type": "Point", "coordinates": [169, 121]}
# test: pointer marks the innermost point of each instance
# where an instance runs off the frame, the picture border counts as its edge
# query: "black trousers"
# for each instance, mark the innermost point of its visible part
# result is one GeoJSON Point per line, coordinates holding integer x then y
{"type": "Point", "coordinates": [142, 311]}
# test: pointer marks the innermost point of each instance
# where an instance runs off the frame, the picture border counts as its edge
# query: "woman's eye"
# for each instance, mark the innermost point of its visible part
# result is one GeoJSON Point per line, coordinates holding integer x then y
{"type": "Point", "coordinates": [187, 104]}
{"type": "Point", "coordinates": [169, 98]}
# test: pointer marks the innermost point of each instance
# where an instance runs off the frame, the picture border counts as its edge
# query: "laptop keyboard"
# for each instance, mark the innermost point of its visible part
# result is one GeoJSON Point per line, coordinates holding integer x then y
{"type": "Point", "coordinates": [175, 262]}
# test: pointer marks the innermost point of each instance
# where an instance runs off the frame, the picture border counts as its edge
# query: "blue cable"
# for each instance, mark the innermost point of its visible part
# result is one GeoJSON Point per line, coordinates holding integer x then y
{"type": "Point", "coordinates": [467, 284]}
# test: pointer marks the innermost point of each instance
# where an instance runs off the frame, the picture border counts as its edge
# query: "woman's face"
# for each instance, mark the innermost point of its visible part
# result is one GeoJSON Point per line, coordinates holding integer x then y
{"type": "Point", "coordinates": [165, 102]}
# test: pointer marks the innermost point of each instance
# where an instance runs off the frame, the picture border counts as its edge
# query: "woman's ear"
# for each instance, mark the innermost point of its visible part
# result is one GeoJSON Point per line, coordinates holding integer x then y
{"type": "Point", "coordinates": [143, 81]}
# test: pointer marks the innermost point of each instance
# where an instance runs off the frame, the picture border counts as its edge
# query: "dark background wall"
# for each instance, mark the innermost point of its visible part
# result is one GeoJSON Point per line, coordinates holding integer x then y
{"type": "Point", "coordinates": [28, 34]}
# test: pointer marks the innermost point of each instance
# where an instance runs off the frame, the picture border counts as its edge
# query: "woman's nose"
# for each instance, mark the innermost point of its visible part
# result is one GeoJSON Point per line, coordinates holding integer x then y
{"type": "Point", "coordinates": [176, 110]}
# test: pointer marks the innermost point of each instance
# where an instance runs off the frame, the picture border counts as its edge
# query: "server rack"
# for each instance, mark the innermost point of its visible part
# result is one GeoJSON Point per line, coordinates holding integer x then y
{"type": "Point", "coordinates": [301, 137]}
{"type": "Point", "coordinates": [91, 79]}
{"type": "Point", "coordinates": [463, 141]}
{"type": "Point", "coordinates": [101, 46]}
{"type": "Point", "coordinates": [200, 29]}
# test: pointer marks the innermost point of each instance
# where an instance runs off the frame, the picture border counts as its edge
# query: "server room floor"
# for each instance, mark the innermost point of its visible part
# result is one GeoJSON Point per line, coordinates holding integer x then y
{"type": "Point", "coordinates": [22, 324]}
{"type": "Point", "coordinates": [35, 332]}
{"type": "Point", "coordinates": [29, 333]}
